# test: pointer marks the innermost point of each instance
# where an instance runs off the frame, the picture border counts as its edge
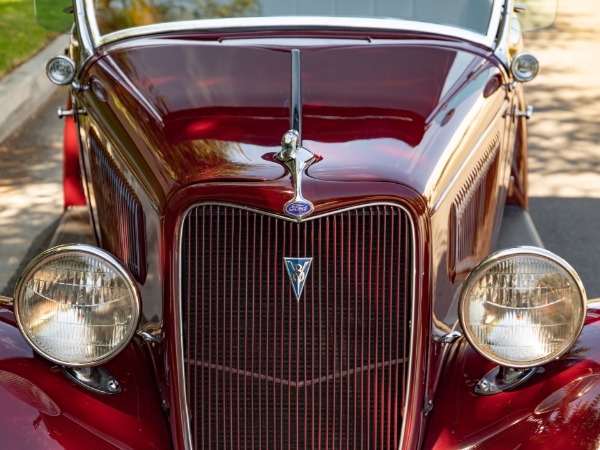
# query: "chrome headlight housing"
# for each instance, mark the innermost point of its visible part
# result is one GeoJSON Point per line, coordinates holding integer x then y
{"type": "Point", "coordinates": [522, 307]}
{"type": "Point", "coordinates": [77, 305]}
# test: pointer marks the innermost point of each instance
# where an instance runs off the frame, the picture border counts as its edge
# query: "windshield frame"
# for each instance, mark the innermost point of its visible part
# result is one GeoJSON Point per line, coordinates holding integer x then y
{"type": "Point", "coordinates": [88, 25]}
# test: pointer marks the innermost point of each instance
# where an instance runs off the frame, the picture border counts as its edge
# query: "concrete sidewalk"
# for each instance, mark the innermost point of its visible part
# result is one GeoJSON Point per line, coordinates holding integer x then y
{"type": "Point", "coordinates": [31, 198]}
{"type": "Point", "coordinates": [564, 132]}
{"type": "Point", "coordinates": [26, 89]}
{"type": "Point", "coordinates": [564, 138]}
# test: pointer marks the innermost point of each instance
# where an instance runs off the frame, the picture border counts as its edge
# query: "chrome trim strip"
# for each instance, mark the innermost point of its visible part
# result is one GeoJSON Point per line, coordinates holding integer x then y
{"type": "Point", "coordinates": [495, 20]}
{"type": "Point", "coordinates": [281, 216]}
{"type": "Point", "coordinates": [504, 29]}
{"type": "Point", "coordinates": [296, 95]}
{"type": "Point", "coordinates": [90, 37]}
{"type": "Point", "coordinates": [137, 94]}
{"type": "Point", "coordinates": [86, 37]}
{"type": "Point", "coordinates": [182, 401]}
{"type": "Point", "coordinates": [486, 137]}
{"type": "Point", "coordinates": [91, 21]}
{"type": "Point", "coordinates": [322, 379]}
{"type": "Point", "coordinates": [308, 22]}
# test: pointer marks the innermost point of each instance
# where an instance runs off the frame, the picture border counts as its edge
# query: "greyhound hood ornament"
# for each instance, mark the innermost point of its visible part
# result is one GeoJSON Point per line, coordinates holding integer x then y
{"type": "Point", "coordinates": [296, 158]}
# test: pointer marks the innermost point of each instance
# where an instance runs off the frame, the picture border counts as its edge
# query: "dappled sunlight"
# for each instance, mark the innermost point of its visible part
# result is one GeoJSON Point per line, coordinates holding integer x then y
{"type": "Point", "coordinates": [24, 213]}
{"type": "Point", "coordinates": [30, 191]}
{"type": "Point", "coordinates": [564, 132]}
{"type": "Point", "coordinates": [564, 137]}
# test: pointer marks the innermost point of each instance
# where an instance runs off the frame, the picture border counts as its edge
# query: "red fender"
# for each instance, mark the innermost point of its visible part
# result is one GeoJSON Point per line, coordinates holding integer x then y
{"type": "Point", "coordinates": [559, 407]}
{"type": "Point", "coordinates": [42, 408]}
{"type": "Point", "coordinates": [72, 187]}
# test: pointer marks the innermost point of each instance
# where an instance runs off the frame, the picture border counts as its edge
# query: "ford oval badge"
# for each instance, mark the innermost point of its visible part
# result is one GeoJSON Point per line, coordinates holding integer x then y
{"type": "Point", "coordinates": [298, 208]}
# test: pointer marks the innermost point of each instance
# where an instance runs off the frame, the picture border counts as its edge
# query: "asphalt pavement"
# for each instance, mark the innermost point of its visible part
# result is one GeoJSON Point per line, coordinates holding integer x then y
{"type": "Point", "coordinates": [564, 138]}
{"type": "Point", "coordinates": [30, 162]}
{"type": "Point", "coordinates": [31, 201]}
{"type": "Point", "coordinates": [564, 154]}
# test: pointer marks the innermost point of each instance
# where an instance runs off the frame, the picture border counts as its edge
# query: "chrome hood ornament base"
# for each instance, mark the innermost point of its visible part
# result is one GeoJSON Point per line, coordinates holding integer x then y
{"type": "Point", "coordinates": [297, 159]}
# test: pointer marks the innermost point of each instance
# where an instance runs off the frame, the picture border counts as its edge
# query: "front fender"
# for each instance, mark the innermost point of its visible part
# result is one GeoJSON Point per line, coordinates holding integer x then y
{"type": "Point", "coordinates": [41, 408]}
{"type": "Point", "coordinates": [559, 407]}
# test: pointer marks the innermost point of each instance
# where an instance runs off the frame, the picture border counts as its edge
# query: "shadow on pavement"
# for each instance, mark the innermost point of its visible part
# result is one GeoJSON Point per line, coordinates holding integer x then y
{"type": "Point", "coordinates": [30, 187]}
{"type": "Point", "coordinates": [38, 245]}
{"type": "Point", "coordinates": [570, 228]}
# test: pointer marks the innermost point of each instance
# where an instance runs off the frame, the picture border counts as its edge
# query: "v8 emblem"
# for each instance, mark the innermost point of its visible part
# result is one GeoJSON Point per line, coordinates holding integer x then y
{"type": "Point", "coordinates": [297, 269]}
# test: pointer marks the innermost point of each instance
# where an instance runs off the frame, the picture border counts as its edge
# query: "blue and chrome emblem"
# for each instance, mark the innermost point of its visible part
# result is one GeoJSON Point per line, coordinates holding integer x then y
{"type": "Point", "coordinates": [296, 158]}
{"type": "Point", "coordinates": [298, 208]}
{"type": "Point", "coordinates": [297, 269]}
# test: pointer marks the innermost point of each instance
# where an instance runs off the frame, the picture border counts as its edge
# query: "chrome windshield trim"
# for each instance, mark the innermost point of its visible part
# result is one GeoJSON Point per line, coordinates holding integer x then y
{"type": "Point", "coordinates": [182, 400]}
{"type": "Point", "coordinates": [504, 30]}
{"type": "Point", "coordinates": [293, 22]}
{"type": "Point", "coordinates": [83, 18]}
{"type": "Point", "coordinates": [496, 20]}
{"type": "Point", "coordinates": [91, 20]}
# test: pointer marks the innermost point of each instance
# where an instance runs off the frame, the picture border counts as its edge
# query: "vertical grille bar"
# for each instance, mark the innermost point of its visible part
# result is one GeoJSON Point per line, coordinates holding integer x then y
{"type": "Point", "coordinates": [265, 371]}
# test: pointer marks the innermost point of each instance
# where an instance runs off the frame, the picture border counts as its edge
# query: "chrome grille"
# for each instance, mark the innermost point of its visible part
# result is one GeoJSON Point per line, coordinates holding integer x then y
{"type": "Point", "coordinates": [265, 371]}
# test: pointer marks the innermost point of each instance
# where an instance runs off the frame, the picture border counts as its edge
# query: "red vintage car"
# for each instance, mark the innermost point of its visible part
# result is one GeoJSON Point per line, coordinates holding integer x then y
{"type": "Point", "coordinates": [297, 224]}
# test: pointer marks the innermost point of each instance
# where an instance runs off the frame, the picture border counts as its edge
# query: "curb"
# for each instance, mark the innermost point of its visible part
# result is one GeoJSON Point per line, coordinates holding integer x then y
{"type": "Point", "coordinates": [26, 89]}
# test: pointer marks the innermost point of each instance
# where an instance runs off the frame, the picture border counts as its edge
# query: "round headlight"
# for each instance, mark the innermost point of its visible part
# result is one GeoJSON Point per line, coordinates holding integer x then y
{"type": "Point", "coordinates": [77, 305]}
{"type": "Point", "coordinates": [60, 70]}
{"type": "Point", "coordinates": [525, 67]}
{"type": "Point", "coordinates": [522, 307]}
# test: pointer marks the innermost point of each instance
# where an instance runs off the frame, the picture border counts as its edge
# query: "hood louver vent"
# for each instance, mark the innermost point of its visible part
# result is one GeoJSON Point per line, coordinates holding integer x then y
{"type": "Point", "coordinates": [121, 216]}
{"type": "Point", "coordinates": [469, 211]}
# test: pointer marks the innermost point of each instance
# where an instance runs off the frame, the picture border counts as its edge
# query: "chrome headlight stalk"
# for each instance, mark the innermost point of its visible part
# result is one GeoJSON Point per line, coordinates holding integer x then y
{"type": "Point", "coordinates": [77, 305]}
{"type": "Point", "coordinates": [522, 308]}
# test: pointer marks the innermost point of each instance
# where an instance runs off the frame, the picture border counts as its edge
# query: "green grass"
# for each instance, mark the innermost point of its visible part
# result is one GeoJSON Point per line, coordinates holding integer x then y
{"type": "Point", "coordinates": [20, 36]}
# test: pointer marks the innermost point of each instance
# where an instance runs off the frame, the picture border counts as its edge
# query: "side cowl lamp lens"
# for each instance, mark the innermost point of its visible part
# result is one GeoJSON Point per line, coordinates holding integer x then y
{"type": "Point", "coordinates": [522, 307]}
{"type": "Point", "coordinates": [77, 305]}
{"type": "Point", "coordinates": [61, 70]}
{"type": "Point", "coordinates": [525, 67]}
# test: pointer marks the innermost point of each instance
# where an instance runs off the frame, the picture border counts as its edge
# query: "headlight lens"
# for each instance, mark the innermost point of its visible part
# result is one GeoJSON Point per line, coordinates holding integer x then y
{"type": "Point", "coordinates": [522, 307]}
{"type": "Point", "coordinates": [77, 305]}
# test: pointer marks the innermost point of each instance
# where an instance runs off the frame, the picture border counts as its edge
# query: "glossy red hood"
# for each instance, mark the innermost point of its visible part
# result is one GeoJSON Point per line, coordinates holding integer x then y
{"type": "Point", "coordinates": [203, 111]}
